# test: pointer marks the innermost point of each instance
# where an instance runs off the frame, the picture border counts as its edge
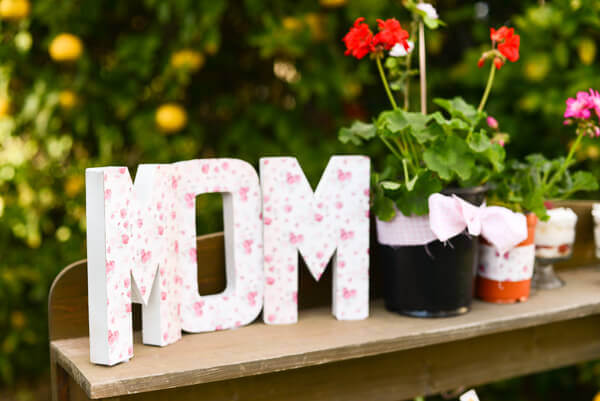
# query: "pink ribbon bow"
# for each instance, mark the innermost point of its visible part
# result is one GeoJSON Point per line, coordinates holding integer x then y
{"type": "Point", "coordinates": [450, 215]}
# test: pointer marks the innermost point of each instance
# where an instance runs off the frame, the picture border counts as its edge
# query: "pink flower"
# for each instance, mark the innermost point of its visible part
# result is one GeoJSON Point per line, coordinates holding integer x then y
{"type": "Point", "coordinates": [594, 101]}
{"type": "Point", "coordinates": [578, 107]}
{"type": "Point", "coordinates": [492, 122]}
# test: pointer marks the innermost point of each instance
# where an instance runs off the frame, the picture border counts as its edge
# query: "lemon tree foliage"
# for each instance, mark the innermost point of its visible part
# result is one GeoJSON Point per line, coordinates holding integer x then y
{"type": "Point", "coordinates": [156, 81]}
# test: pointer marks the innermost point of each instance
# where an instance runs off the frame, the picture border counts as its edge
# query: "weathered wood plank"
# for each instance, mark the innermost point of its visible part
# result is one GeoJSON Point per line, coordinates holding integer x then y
{"type": "Point", "coordinates": [317, 339]}
{"type": "Point", "coordinates": [406, 374]}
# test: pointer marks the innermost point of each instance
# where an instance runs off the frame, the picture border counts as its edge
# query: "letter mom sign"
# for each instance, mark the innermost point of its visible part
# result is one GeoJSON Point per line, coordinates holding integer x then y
{"type": "Point", "coordinates": [141, 244]}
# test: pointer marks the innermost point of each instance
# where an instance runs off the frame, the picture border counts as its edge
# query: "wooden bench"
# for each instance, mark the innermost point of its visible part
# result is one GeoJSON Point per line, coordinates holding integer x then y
{"type": "Point", "coordinates": [385, 357]}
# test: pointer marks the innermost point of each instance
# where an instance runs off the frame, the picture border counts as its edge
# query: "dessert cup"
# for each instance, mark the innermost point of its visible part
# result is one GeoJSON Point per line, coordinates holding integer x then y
{"type": "Point", "coordinates": [554, 241]}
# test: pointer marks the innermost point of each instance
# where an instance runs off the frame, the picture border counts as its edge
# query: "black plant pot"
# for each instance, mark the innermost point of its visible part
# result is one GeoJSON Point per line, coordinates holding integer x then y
{"type": "Point", "coordinates": [433, 280]}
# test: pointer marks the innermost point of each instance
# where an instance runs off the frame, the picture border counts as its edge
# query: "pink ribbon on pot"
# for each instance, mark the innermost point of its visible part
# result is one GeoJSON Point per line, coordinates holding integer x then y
{"type": "Point", "coordinates": [450, 216]}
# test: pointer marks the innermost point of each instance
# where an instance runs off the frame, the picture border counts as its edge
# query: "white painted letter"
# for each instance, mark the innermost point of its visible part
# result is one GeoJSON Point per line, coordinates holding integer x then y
{"type": "Point", "coordinates": [131, 235]}
{"type": "Point", "coordinates": [335, 217]}
{"type": "Point", "coordinates": [242, 299]}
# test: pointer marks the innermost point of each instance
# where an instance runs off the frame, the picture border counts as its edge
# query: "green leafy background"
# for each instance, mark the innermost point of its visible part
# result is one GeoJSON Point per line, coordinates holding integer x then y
{"type": "Point", "coordinates": [274, 82]}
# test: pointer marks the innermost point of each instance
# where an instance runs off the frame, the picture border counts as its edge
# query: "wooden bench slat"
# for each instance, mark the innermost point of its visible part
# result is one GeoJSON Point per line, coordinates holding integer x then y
{"type": "Point", "coordinates": [316, 339]}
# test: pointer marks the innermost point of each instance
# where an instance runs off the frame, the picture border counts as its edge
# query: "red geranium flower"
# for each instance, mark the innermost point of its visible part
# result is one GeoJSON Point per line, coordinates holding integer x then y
{"type": "Point", "coordinates": [390, 33]}
{"type": "Point", "coordinates": [498, 35]}
{"type": "Point", "coordinates": [359, 41]}
{"type": "Point", "coordinates": [510, 46]}
{"type": "Point", "coordinates": [498, 62]}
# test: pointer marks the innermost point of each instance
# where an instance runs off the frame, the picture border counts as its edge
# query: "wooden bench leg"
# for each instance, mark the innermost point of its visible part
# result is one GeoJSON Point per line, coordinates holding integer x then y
{"type": "Point", "coordinates": [59, 385]}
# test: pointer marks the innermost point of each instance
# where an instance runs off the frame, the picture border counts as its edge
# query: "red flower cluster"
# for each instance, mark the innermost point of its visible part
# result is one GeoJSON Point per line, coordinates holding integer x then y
{"type": "Point", "coordinates": [360, 41]}
{"type": "Point", "coordinates": [508, 46]}
{"type": "Point", "coordinates": [508, 43]}
{"type": "Point", "coordinates": [390, 33]}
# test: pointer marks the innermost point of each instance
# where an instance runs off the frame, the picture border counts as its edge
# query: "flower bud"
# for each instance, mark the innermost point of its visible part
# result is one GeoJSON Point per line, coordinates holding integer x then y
{"type": "Point", "coordinates": [498, 62]}
{"type": "Point", "coordinates": [492, 122]}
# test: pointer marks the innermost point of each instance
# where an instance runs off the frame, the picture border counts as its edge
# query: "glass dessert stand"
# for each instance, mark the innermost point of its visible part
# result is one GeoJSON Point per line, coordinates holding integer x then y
{"type": "Point", "coordinates": [554, 241]}
{"type": "Point", "coordinates": [544, 277]}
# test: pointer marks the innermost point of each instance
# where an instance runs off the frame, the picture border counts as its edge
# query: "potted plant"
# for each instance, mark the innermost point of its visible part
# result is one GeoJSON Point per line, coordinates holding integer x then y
{"type": "Point", "coordinates": [426, 271]}
{"type": "Point", "coordinates": [527, 187]}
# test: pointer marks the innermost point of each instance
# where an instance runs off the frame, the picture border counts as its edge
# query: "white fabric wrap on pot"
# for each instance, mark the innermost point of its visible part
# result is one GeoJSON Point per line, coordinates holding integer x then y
{"type": "Point", "coordinates": [448, 217]}
{"type": "Point", "coordinates": [513, 265]}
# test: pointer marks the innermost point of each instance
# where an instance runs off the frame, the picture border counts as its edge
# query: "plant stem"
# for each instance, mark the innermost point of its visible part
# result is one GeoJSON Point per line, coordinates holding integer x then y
{"type": "Point", "coordinates": [413, 32]}
{"type": "Point", "coordinates": [488, 87]}
{"type": "Point", "coordinates": [385, 82]}
{"type": "Point", "coordinates": [390, 147]}
{"type": "Point", "coordinates": [558, 174]}
{"type": "Point", "coordinates": [422, 68]}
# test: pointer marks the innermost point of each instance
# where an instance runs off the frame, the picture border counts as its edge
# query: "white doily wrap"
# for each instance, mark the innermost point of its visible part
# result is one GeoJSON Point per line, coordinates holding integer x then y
{"type": "Point", "coordinates": [448, 217]}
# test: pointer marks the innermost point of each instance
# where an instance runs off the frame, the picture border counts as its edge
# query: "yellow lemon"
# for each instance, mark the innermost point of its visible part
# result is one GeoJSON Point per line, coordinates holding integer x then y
{"type": "Point", "coordinates": [67, 99]}
{"type": "Point", "coordinates": [74, 185]}
{"type": "Point", "coordinates": [4, 107]}
{"type": "Point", "coordinates": [586, 49]}
{"type": "Point", "coordinates": [291, 23]}
{"type": "Point", "coordinates": [14, 9]}
{"type": "Point", "coordinates": [170, 118]}
{"type": "Point", "coordinates": [593, 152]}
{"type": "Point", "coordinates": [332, 3]}
{"type": "Point", "coordinates": [597, 397]}
{"type": "Point", "coordinates": [188, 59]}
{"type": "Point", "coordinates": [17, 319]}
{"type": "Point", "coordinates": [537, 68]}
{"type": "Point", "coordinates": [65, 47]}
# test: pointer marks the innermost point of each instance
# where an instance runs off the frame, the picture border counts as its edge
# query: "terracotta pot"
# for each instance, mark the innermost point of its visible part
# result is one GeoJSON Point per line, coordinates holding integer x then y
{"type": "Point", "coordinates": [506, 278]}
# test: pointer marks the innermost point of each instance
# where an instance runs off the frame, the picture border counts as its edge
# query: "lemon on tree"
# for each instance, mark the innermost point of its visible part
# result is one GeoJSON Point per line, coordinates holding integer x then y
{"type": "Point", "coordinates": [67, 99]}
{"type": "Point", "coordinates": [189, 59]}
{"type": "Point", "coordinates": [332, 3]}
{"type": "Point", "coordinates": [291, 23]}
{"type": "Point", "coordinates": [14, 9]}
{"type": "Point", "coordinates": [170, 118]}
{"type": "Point", "coordinates": [4, 106]}
{"type": "Point", "coordinates": [65, 47]}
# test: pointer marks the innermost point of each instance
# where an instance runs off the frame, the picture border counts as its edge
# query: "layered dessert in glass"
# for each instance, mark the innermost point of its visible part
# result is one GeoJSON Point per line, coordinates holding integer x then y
{"type": "Point", "coordinates": [554, 238]}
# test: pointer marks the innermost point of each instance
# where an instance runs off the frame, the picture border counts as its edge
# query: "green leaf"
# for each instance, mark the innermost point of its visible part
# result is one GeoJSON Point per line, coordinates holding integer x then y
{"type": "Point", "coordinates": [539, 162]}
{"type": "Point", "coordinates": [391, 62]}
{"type": "Point", "coordinates": [357, 133]}
{"type": "Point", "coordinates": [493, 152]}
{"type": "Point", "coordinates": [496, 155]}
{"type": "Point", "coordinates": [399, 120]}
{"type": "Point", "coordinates": [390, 185]}
{"type": "Point", "coordinates": [450, 157]}
{"type": "Point", "coordinates": [583, 181]}
{"type": "Point", "coordinates": [416, 201]}
{"type": "Point", "coordinates": [458, 108]}
{"type": "Point", "coordinates": [383, 206]}
{"type": "Point", "coordinates": [431, 23]}
{"type": "Point", "coordinates": [534, 202]}
{"type": "Point", "coordinates": [426, 135]}
{"type": "Point", "coordinates": [479, 142]}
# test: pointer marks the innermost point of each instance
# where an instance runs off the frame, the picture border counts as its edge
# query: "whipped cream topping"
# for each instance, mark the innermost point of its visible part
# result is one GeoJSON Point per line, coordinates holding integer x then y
{"type": "Point", "coordinates": [558, 230]}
